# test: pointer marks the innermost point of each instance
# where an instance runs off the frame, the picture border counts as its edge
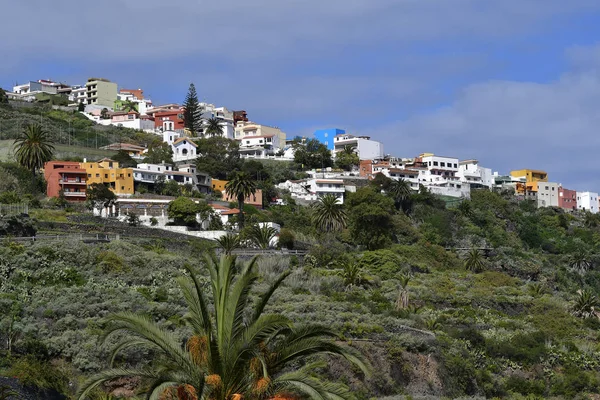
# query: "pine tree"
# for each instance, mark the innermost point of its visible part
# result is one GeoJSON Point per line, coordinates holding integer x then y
{"type": "Point", "coordinates": [191, 106]}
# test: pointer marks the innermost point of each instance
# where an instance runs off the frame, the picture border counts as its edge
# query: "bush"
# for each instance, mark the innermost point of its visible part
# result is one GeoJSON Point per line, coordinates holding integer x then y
{"type": "Point", "coordinates": [527, 348]}
{"type": "Point", "coordinates": [133, 220]}
{"type": "Point", "coordinates": [286, 238]}
{"type": "Point", "coordinates": [153, 221]}
{"type": "Point", "coordinates": [39, 374]}
{"type": "Point", "coordinates": [17, 225]}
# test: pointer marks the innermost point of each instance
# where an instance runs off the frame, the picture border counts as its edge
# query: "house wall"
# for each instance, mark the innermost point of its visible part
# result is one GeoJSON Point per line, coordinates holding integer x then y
{"type": "Point", "coordinates": [120, 180]}
{"type": "Point", "coordinates": [567, 199]}
{"type": "Point", "coordinates": [587, 201]}
{"type": "Point", "coordinates": [547, 194]}
{"type": "Point", "coordinates": [369, 149]}
{"type": "Point", "coordinates": [326, 136]}
{"type": "Point", "coordinates": [75, 184]}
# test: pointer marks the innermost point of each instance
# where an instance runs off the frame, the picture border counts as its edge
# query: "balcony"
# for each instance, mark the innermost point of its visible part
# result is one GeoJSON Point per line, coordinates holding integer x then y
{"type": "Point", "coordinates": [74, 194]}
{"type": "Point", "coordinates": [72, 181]}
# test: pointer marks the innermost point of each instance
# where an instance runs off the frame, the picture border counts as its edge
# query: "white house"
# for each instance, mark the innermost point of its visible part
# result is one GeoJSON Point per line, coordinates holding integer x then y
{"type": "Point", "coordinates": [472, 174]}
{"type": "Point", "coordinates": [311, 189]}
{"type": "Point", "coordinates": [207, 111]}
{"type": "Point", "coordinates": [185, 174]}
{"type": "Point", "coordinates": [244, 130]}
{"type": "Point", "coordinates": [587, 201]}
{"type": "Point", "coordinates": [365, 148]}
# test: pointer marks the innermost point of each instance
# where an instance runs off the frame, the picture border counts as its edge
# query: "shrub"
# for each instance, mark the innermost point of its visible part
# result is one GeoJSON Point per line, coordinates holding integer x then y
{"type": "Point", "coordinates": [40, 374]}
{"type": "Point", "coordinates": [286, 238]}
{"type": "Point", "coordinates": [517, 384]}
{"type": "Point", "coordinates": [153, 221]}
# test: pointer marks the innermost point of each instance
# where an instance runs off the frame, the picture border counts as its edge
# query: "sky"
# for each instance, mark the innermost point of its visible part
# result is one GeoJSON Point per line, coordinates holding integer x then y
{"type": "Point", "coordinates": [512, 83]}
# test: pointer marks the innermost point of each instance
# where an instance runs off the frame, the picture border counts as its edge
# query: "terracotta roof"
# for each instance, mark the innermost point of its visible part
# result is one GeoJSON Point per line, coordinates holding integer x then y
{"type": "Point", "coordinates": [182, 139]}
{"type": "Point", "coordinates": [231, 212]}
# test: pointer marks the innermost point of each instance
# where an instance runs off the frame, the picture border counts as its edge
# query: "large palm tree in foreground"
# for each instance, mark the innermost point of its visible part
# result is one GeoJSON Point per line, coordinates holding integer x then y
{"type": "Point", "coordinates": [241, 186]}
{"type": "Point", "coordinates": [328, 214]}
{"type": "Point", "coordinates": [33, 148]}
{"type": "Point", "coordinates": [235, 352]}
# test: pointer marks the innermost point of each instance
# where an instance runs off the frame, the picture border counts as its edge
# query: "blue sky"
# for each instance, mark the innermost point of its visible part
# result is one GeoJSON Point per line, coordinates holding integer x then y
{"type": "Point", "coordinates": [514, 83]}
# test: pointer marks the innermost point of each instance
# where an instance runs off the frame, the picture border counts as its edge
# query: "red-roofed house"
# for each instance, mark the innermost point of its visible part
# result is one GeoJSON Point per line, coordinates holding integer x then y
{"type": "Point", "coordinates": [67, 176]}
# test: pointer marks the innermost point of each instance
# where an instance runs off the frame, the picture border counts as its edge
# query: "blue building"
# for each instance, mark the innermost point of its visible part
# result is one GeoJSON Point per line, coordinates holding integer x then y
{"type": "Point", "coordinates": [326, 136]}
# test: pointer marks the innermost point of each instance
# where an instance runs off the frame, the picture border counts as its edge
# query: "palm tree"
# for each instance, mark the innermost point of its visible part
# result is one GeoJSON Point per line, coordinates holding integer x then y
{"type": "Point", "coordinates": [261, 236]}
{"type": "Point", "coordinates": [580, 260]}
{"type": "Point", "coordinates": [328, 214]}
{"type": "Point", "coordinates": [235, 350]}
{"type": "Point", "coordinates": [212, 127]}
{"type": "Point", "coordinates": [351, 272]}
{"type": "Point", "coordinates": [241, 186]}
{"type": "Point", "coordinates": [400, 191]}
{"type": "Point", "coordinates": [474, 261]}
{"type": "Point", "coordinates": [129, 105]}
{"type": "Point", "coordinates": [348, 149]}
{"type": "Point", "coordinates": [33, 148]}
{"type": "Point", "coordinates": [586, 304]}
{"type": "Point", "coordinates": [229, 242]}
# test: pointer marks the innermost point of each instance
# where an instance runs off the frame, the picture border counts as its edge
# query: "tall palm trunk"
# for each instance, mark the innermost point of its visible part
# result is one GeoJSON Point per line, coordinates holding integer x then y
{"type": "Point", "coordinates": [241, 215]}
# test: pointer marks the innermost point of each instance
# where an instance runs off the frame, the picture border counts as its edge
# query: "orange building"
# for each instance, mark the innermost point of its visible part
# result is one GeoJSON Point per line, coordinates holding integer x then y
{"type": "Point", "coordinates": [255, 199]}
{"type": "Point", "coordinates": [65, 176]}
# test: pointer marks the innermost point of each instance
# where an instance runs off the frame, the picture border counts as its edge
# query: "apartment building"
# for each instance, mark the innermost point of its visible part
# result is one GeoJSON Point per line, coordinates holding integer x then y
{"type": "Point", "coordinates": [548, 193]}
{"type": "Point", "coordinates": [184, 174]}
{"type": "Point", "coordinates": [66, 177]}
{"type": "Point", "coordinates": [244, 130]}
{"type": "Point", "coordinates": [472, 174]}
{"type": "Point", "coordinates": [101, 92]}
{"type": "Point", "coordinates": [365, 148]}
{"type": "Point", "coordinates": [107, 171]}
{"type": "Point", "coordinates": [207, 111]}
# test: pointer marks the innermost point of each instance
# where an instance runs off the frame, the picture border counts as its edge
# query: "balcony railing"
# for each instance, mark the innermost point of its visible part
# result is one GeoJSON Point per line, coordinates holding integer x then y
{"type": "Point", "coordinates": [77, 182]}
{"type": "Point", "coordinates": [74, 194]}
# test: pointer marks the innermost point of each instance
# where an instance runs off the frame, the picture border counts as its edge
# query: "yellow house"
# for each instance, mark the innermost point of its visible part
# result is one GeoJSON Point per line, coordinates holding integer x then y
{"type": "Point", "coordinates": [107, 171]}
{"type": "Point", "coordinates": [218, 184]}
{"type": "Point", "coordinates": [530, 175]}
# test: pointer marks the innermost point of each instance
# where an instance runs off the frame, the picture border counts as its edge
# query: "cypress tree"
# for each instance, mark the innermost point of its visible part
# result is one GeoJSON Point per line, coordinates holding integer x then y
{"type": "Point", "coordinates": [191, 106]}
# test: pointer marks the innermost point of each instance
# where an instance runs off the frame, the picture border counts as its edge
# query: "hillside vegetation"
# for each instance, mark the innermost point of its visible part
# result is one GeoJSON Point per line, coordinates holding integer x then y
{"type": "Point", "coordinates": [69, 128]}
{"type": "Point", "coordinates": [403, 283]}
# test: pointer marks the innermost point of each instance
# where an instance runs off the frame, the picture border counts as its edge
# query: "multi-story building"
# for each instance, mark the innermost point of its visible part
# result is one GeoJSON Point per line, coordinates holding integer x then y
{"type": "Point", "coordinates": [523, 179]}
{"type": "Point", "coordinates": [365, 148]}
{"type": "Point", "coordinates": [67, 177]}
{"type": "Point", "coordinates": [78, 94]}
{"type": "Point", "coordinates": [548, 194]}
{"type": "Point", "coordinates": [587, 201]}
{"type": "Point", "coordinates": [42, 86]}
{"type": "Point", "coordinates": [567, 199]}
{"type": "Point", "coordinates": [183, 148]}
{"type": "Point", "coordinates": [168, 120]}
{"type": "Point", "coordinates": [259, 146]}
{"type": "Point", "coordinates": [327, 136]}
{"type": "Point", "coordinates": [207, 111]}
{"type": "Point", "coordinates": [185, 174]}
{"type": "Point", "coordinates": [107, 171]}
{"type": "Point", "coordinates": [436, 173]}
{"type": "Point", "coordinates": [244, 130]}
{"type": "Point", "coordinates": [310, 190]}
{"type": "Point", "coordinates": [101, 92]}
{"type": "Point", "coordinates": [129, 119]}
{"type": "Point", "coordinates": [472, 174]}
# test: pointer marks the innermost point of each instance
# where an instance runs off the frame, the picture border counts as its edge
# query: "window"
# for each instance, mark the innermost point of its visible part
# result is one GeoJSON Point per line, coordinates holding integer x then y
{"type": "Point", "coordinates": [435, 163]}
{"type": "Point", "coordinates": [105, 176]}
{"type": "Point", "coordinates": [455, 166]}
{"type": "Point", "coordinates": [443, 164]}
{"type": "Point", "coordinates": [89, 175]}
{"type": "Point", "coordinates": [122, 187]}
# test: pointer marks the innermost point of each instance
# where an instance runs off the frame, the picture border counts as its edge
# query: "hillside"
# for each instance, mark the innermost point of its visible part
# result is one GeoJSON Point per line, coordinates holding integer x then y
{"type": "Point", "coordinates": [393, 284]}
{"type": "Point", "coordinates": [71, 132]}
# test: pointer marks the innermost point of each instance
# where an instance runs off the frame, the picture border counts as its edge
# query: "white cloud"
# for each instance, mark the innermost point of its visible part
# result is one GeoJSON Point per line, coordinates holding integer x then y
{"type": "Point", "coordinates": [512, 125]}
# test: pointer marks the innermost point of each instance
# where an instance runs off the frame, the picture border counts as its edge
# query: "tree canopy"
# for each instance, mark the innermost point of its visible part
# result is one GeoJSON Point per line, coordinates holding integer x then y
{"type": "Point", "coordinates": [33, 148]}
{"type": "Point", "coordinates": [159, 153]}
{"type": "Point", "coordinates": [312, 154]}
{"type": "Point", "coordinates": [370, 218]}
{"type": "Point", "coordinates": [190, 113]}
{"type": "Point", "coordinates": [217, 156]}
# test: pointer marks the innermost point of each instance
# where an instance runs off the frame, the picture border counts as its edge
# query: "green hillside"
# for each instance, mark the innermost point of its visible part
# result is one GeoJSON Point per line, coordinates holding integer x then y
{"type": "Point", "coordinates": [67, 128]}
{"type": "Point", "coordinates": [435, 318]}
